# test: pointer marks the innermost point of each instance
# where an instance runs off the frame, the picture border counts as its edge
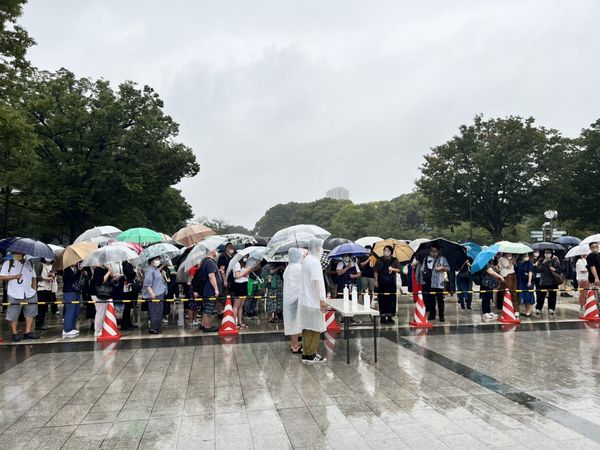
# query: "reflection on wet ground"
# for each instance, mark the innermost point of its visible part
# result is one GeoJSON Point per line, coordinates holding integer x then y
{"type": "Point", "coordinates": [458, 386]}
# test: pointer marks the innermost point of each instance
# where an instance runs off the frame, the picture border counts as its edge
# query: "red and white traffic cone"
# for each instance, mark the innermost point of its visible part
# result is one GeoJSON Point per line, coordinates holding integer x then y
{"type": "Point", "coordinates": [330, 321]}
{"type": "Point", "coordinates": [329, 341]}
{"type": "Point", "coordinates": [228, 327]}
{"type": "Point", "coordinates": [110, 330]}
{"type": "Point", "coordinates": [591, 309]}
{"type": "Point", "coordinates": [420, 314]}
{"type": "Point", "coordinates": [508, 312]}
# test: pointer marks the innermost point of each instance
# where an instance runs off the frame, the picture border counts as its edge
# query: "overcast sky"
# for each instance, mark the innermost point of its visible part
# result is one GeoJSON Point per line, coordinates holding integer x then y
{"type": "Point", "coordinates": [282, 100]}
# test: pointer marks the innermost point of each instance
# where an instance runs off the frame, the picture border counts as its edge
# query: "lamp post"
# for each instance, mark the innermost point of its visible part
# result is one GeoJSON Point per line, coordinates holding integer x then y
{"type": "Point", "coordinates": [8, 191]}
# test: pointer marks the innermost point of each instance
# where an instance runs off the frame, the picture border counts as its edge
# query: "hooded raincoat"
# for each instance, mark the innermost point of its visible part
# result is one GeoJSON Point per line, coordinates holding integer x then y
{"type": "Point", "coordinates": [313, 289]}
{"type": "Point", "coordinates": [292, 287]}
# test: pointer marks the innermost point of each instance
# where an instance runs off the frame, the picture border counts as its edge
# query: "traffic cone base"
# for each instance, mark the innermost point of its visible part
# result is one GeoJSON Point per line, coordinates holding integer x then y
{"type": "Point", "coordinates": [331, 322]}
{"type": "Point", "coordinates": [228, 327]}
{"type": "Point", "coordinates": [591, 309]}
{"type": "Point", "coordinates": [420, 314]}
{"type": "Point", "coordinates": [110, 330]}
{"type": "Point", "coordinates": [508, 313]}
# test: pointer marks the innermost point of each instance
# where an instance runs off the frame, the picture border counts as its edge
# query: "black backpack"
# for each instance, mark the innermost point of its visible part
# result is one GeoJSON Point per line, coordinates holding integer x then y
{"type": "Point", "coordinates": [477, 277]}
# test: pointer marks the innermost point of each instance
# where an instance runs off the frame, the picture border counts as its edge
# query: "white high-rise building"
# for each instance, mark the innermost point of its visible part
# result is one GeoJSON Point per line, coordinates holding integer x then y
{"type": "Point", "coordinates": [338, 193]}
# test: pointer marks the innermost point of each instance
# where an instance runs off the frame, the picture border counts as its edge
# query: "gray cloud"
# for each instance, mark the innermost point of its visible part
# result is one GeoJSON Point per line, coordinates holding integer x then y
{"type": "Point", "coordinates": [282, 100]}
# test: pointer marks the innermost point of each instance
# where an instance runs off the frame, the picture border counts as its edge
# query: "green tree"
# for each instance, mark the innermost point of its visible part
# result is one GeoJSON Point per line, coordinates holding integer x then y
{"type": "Point", "coordinates": [106, 156]}
{"type": "Point", "coordinates": [491, 174]}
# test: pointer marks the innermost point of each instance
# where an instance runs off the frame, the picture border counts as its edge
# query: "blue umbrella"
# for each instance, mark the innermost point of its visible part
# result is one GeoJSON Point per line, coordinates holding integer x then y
{"type": "Point", "coordinates": [484, 257]}
{"type": "Point", "coordinates": [473, 249]}
{"type": "Point", "coordinates": [348, 249]}
{"type": "Point", "coordinates": [27, 246]}
{"type": "Point", "coordinates": [569, 241]}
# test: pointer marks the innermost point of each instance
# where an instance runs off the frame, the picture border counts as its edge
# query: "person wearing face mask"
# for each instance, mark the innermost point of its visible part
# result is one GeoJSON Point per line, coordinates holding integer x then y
{"type": "Point", "coordinates": [223, 263]}
{"type": "Point", "coordinates": [154, 288]}
{"type": "Point", "coordinates": [73, 283]}
{"type": "Point", "coordinates": [101, 294]}
{"type": "Point", "coordinates": [212, 286]}
{"type": "Point", "coordinates": [506, 267]}
{"type": "Point", "coordinates": [22, 287]}
{"type": "Point", "coordinates": [431, 277]}
{"type": "Point", "coordinates": [240, 274]}
{"type": "Point", "coordinates": [549, 269]}
{"type": "Point", "coordinates": [385, 283]}
{"type": "Point", "coordinates": [525, 283]}
{"type": "Point", "coordinates": [367, 274]}
{"type": "Point", "coordinates": [348, 273]}
{"type": "Point", "coordinates": [46, 278]}
{"type": "Point", "coordinates": [312, 303]}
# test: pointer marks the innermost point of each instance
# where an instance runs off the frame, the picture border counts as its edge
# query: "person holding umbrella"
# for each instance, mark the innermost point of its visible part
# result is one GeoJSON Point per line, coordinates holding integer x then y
{"type": "Point", "coordinates": [550, 278]}
{"type": "Point", "coordinates": [385, 283]}
{"type": "Point", "coordinates": [154, 289]}
{"type": "Point", "coordinates": [22, 287]}
{"type": "Point", "coordinates": [583, 284]}
{"type": "Point", "coordinates": [525, 283]}
{"type": "Point", "coordinates": [431, 276]}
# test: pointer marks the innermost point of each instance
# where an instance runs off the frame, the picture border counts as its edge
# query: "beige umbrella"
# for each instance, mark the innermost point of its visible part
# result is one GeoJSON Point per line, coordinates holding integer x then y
{"type": "Point", "coordinates": [73, 254]}
{"type": "Point", "coordinates": [192, 234]}
{"type": "Point", "coordinates": [401, 250]}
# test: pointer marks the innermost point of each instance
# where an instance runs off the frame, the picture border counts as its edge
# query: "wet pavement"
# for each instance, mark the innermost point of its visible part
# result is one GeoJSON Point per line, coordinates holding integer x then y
{"type": "Point", "coordinates": [465, 384]}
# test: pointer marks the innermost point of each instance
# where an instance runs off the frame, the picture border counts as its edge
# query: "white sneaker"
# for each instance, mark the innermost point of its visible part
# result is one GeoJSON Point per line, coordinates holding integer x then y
{"type": "Point", "coordinates": [494, 315]}
{"type": "Point", "coordinates": [70, 334]}
{"type": "Point", "coordinates": [97, 333]}
{"type": "Point", "coordinates": [551, 312]}
{"type": "Point", "coordinates": [517, 314]}
{"type": "Point", "coordinates": [488, 316]}
{"type": "Point", "coordinates": [538, 313]}
{"type": "Point", "coordinates": [165, 321]}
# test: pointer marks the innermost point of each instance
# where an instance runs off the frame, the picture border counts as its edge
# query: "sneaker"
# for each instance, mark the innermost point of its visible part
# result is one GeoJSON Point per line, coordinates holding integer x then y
{"type": "Point", "coordinates": [517, 314]}
{"type": "Point", "coordinates": [151, 331]}
{"type": "Point", "coordinates": [16, 338]}
{"type": "Point", "coordinates": [551, 312]}
{"type": "Point", "coordinates": [70, 334]}
{"type": "Point", "coordinates": [391, 321]}
{"type": "Point", "coordinates": [30, 335]}
{"type": "Point", "coordinates": [315, 359]}
{"type": "Point", "coordinates": [165, 320]}
{"type": "Point", "coordinates": [538, 313]}
{"type": "Point", "coordinates": [469, 307]}
{"type": "Point", "coordinates": [195, 323]}
{"type": "Point", "coordinates": [41, 327]}
{"type": "Point", "coordinates": [442, 319]}
{"type": "Point", "coordinates": [211, 330]}
{"type": "Point", "coordinates": [493, 315]}
{"type": "Point", "coordinates": [97, 333]}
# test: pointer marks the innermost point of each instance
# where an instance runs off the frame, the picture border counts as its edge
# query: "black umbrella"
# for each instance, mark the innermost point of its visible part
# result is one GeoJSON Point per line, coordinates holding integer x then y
{"type": "Point", "coordinates": [332, 243]}
{"type": "Point", "coordinates": [541, 246]}
{"type": "Point", "coordinates": [261, 241]}
{"type": "Point", "coordinates": [455, 253]}
{"type": "Point", "coordinates": [568, 241]}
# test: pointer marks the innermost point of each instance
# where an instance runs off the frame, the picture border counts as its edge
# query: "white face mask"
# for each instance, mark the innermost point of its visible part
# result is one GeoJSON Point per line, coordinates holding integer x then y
{"type": "Point", "coordinates": [245, 259]}
{"type": "Point", "coordinates": [156, 263]}
{"type": "Point", "coordinates": [387, 253]}
{"type": "Point", "coordinates": [526, 258]}
{"type": "Point", "coordinates": [346, 259]}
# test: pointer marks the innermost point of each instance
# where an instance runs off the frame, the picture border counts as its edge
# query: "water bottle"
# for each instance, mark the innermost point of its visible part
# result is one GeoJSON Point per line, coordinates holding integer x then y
{"type": "Point", "coordinates": [346, 294]}
{"type": "Point", "coordinates": [354, 295]}
{"type": "Point", "coordinates": [367, 300]}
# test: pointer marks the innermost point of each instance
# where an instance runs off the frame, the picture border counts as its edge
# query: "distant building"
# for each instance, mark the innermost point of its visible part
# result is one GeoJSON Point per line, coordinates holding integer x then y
{"type": "Point", "coordinates": [338, 193]}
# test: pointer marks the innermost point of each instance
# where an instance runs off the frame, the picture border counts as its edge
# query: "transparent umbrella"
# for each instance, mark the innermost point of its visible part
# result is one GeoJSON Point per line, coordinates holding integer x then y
{"type": "Point", "coordinates": [164, 251]}
{"type": "Point", "coordinates": [201, 249]}
{"type": "Point", "coordinates": [109, 254]}
{"type": "Point", "coordinates": [106, 231]}
{"type": "Point", "coordinates": [255, 255]}
{"type": "Point", "coordinates": [294, 236]}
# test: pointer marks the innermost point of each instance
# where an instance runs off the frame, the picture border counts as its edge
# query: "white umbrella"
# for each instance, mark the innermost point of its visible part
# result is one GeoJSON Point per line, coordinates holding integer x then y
{"type": "Point", "coordinates": [592, 238]}
{"type": "Point", "coordinates": [56, 248]}
{"type": "Point", "coordinates": [415, 244]}
{"type": "Point", "coordinates": [369, 240]}
{"type": "Point", "coordinates": [201, 249]}
{"type": "Point", "coordinates": [581, 249]}
{"type": "Point", "coordinates": [295, 236]}
{"type": "Point", "coordinates": [107, 231]}
{"type": "Point", "coordinates": [109, 254]}
{"type": "Point", "coordinates": [255, 255]}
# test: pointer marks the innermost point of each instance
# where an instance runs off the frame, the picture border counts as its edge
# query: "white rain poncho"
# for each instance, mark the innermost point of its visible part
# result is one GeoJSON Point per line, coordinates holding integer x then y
{"type": "Point", "coordinates": [292, 287]}
{"type": "Point", "coordinates": [313, 289]}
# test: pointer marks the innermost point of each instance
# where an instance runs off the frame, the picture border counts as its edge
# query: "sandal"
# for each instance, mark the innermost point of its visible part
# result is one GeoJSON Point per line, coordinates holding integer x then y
{"type": "Point", "coordinates": [297, 351]}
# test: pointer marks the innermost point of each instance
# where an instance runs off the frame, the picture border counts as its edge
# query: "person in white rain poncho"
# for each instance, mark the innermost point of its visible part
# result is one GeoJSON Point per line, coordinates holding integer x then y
{"type": "Point", "coordinates": [312, 305]}
{"type": "Point", "coordinates": [292, 287]}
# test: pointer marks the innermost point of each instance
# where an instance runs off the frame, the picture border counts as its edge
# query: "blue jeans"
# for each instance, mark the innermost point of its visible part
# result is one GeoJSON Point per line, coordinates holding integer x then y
{"type": "Point", "coordinates": [71, 311]}
{"type": "Point", "coordinates": [462, 286]}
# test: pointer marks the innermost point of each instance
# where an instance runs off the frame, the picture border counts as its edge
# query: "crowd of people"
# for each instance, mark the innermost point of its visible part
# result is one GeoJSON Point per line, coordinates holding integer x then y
{"type": "Point", "coordinates": [286, 287]}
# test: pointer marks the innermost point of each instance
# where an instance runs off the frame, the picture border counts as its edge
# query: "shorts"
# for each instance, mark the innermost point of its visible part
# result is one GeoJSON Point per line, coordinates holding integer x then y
{"type": "Point", "coordinates": [209, 307]}
{"type": "Point", "coordinates": [13, 311]}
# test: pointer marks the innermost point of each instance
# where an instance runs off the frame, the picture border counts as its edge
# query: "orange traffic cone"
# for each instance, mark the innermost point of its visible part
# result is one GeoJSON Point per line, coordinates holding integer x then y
{"type": "Point", "coordinates": [508, 312]}
{"type": "Point", "coordinates": [591, 309]}
{"type": "Point", "coordinates": [420, 314]}
{"type": "Point", "coordinates": [228, 327]}
{"type": "Point", "coordinates": [110, 331]}
{"type": "Point", "coordinates": [330, 321]}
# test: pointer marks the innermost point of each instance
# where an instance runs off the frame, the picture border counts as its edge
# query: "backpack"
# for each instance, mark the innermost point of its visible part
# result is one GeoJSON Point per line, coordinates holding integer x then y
{"type": "Point", "coordinates": [477, 277]}
{"type": "Point", "coordinates": [199, 280]}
